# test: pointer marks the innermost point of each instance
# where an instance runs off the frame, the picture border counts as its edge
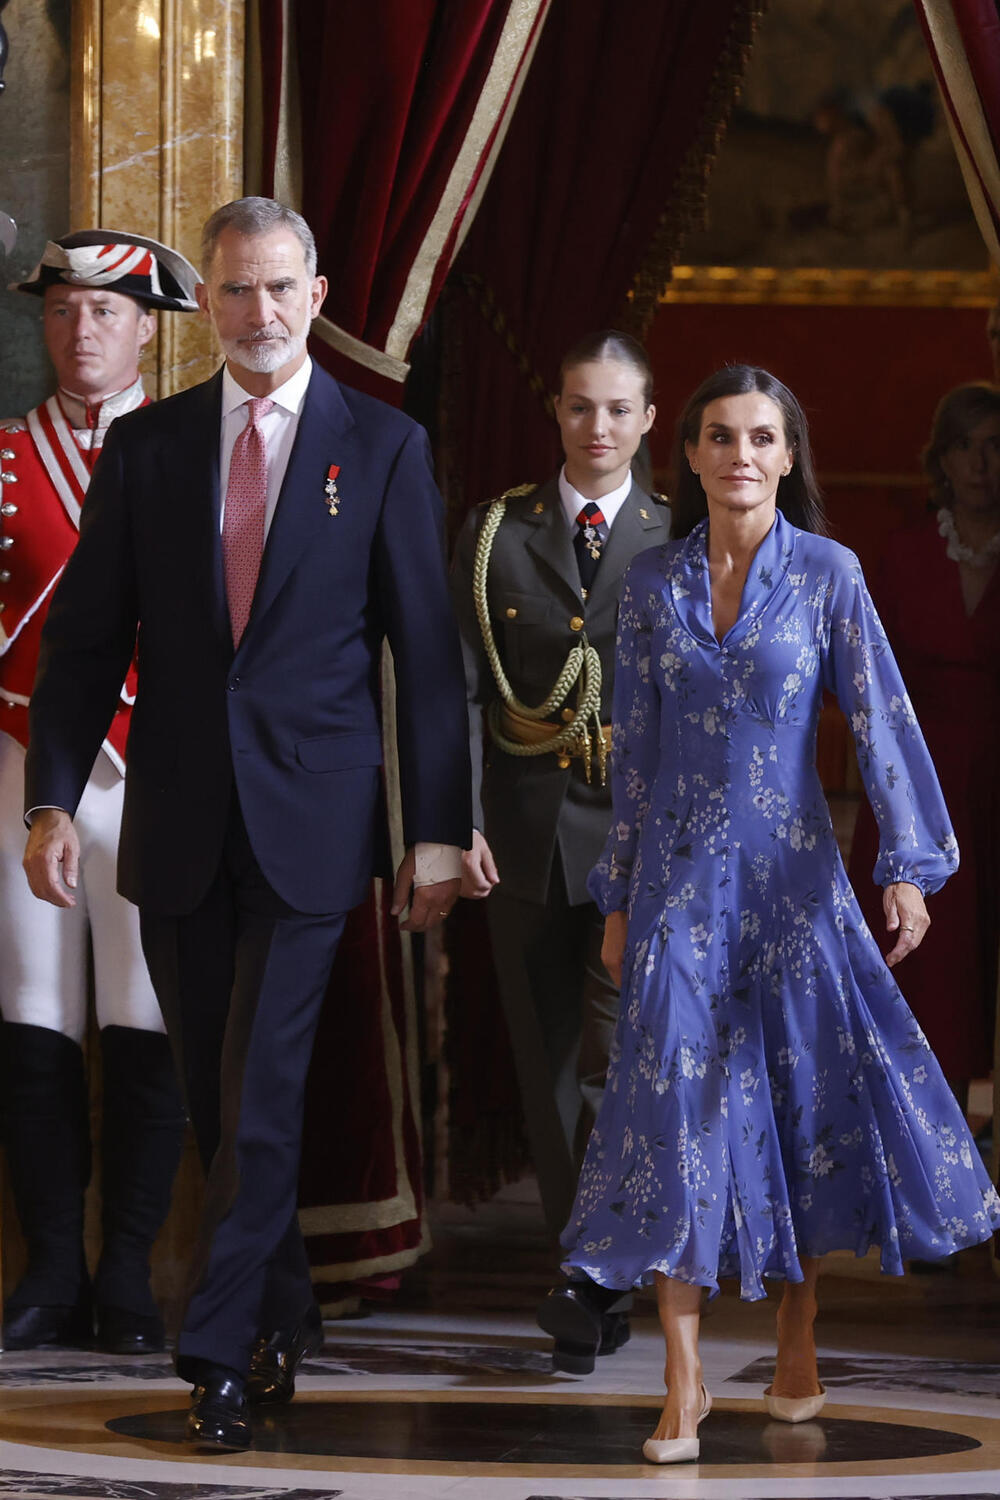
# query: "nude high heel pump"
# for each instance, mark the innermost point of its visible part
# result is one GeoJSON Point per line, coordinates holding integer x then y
{"type": "Point", "coordinates": [794, 1408]}
{"type": "Point", "coordinates": [677, 1450]}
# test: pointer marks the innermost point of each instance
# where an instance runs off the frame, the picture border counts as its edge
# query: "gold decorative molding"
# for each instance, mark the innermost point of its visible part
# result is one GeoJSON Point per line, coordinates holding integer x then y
{"type": "Point", "coordinates": [157, 138]}
{"type": "Point", "coordinates": [819, 286]}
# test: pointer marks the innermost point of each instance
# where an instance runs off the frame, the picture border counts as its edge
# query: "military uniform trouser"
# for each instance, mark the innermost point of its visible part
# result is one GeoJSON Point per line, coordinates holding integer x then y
{"type": "Point", "coordinates": [561, 1008]}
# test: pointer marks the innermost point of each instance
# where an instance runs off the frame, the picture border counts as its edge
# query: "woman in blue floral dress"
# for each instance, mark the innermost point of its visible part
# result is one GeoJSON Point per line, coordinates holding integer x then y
{"type": "Point", "coordinates": [770, 1096]}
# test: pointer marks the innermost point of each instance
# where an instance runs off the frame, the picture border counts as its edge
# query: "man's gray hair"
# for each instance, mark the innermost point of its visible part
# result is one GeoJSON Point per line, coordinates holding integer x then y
{"type": "Point", "coordinates": [253, 216]}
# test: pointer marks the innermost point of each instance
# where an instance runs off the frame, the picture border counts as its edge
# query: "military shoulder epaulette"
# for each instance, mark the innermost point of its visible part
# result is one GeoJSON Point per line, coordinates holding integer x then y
{"type": "Point", "coordinates": [512, 494]}
{"type": "Point", "coordinates": [660, 499]}
{"type": "Point", "coordinates": [12, 424]}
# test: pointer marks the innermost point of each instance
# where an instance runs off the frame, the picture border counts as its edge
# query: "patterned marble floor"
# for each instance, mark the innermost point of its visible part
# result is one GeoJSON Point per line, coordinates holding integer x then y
{"type": "Point", "coordinates": [449, 1395]}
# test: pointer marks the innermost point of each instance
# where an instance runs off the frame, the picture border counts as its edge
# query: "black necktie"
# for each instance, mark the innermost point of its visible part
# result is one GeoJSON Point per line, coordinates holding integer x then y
{"type": "Point", "coordinates": [588, 543]}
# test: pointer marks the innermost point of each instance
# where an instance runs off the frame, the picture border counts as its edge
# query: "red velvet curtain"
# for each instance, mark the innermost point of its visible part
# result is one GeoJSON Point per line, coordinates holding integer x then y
{"type": "Point", "coordinates": [361, 1184]}
{"type": "Point", "coordinates": [602, 172]}
{"type": "Point", "coordinates": [403, 107]}
{"type": "Point", "coordinates": [611, 113]}
{"type": "Point", "coordinates": [963, 37]}
{"type": "Point", "coordinates": [272, 61]}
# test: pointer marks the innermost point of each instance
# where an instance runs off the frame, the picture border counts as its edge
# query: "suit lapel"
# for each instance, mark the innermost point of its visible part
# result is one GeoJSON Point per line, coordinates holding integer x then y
{"type": "Point", "coordinates": [198, 447]}
{"type": "Point", "coordinates": [639, 524]}
{"type": "Point", "coordinates": [551, 540]}
{"type": "Point", "coordinates": [324, 427]}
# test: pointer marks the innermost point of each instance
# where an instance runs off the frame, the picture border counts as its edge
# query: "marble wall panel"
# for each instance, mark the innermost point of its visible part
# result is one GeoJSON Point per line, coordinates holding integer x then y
{"type": "Point", "coordinates": [34, 183]}
{"type": "Point", "coordinates": [157, 137]}
{"type": "Point", "coordinates": [122, 114]}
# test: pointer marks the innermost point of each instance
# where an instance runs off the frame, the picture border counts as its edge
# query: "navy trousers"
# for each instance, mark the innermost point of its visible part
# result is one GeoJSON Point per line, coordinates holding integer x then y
{"type": "Point", "coordinates": [240, 981]}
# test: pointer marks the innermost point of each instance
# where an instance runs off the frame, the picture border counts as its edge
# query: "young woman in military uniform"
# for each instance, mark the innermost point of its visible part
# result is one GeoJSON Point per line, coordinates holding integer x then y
{"type": "Point", "coordinates": [535, 582]}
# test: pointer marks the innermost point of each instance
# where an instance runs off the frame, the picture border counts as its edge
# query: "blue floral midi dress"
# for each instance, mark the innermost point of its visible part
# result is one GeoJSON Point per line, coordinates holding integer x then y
{"type": "Point", "coordinates": [770, 1094]}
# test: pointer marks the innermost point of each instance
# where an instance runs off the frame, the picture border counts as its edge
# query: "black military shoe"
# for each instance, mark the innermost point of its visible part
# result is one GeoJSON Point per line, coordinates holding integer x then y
{"type": "Point", "coordinates": [34, 1327]}
{"type": "Point", "coordinates": [218, 1421]}
{"type": "Point", "coordinates": [585, 1320]}
{"type": "Point", "coordinates": [275, 1360]}
{"type": "Point", "coordinates": [122, 1332]}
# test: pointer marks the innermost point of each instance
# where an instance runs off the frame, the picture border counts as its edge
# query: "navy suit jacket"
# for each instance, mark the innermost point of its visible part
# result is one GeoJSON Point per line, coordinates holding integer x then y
{"type": "Point", "coordinates": [293, 716]}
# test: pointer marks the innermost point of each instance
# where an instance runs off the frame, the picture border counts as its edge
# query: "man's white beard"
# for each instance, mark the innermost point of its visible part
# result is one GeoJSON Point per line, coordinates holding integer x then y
{"type": "Point", "coordinates": [265, 355]}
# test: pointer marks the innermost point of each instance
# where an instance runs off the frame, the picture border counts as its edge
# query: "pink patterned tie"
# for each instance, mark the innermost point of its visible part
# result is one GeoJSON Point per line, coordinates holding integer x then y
{"type": "Point", "coordinates": [243, 518]}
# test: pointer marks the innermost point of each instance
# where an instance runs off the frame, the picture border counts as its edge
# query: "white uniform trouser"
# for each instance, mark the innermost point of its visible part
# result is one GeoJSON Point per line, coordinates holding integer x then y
{"type": "Point", "coordinates": [43, 948]}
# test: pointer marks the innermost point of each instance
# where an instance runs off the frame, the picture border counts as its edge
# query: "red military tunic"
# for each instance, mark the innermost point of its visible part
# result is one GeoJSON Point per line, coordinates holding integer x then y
{"type": "Point", "coordinates": [45, 467]}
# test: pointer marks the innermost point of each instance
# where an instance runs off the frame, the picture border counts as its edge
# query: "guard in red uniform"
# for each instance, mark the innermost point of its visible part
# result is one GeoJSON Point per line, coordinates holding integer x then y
{"type": "Point", "coordinates": [98, 289]}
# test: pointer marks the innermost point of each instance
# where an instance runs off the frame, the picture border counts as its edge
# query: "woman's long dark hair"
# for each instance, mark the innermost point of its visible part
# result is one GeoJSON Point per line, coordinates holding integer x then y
{"type": "Point", "coordinates": [798, 498]}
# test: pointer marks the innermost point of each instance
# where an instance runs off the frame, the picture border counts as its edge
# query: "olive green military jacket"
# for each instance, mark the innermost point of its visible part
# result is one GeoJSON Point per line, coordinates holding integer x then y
{"type": "Point", "coordinates": [526, 806]}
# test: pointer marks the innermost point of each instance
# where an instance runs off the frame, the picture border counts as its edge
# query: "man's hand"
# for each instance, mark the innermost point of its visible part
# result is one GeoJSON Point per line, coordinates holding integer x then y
{"type": "Point", "coordinates": [429, 904]}
{"type": "Point", "coordinates": [52, 846]}
{"type": "Point", "coordinates": [479, 871]}
{"type": "Point", "coordinates": [906, 914]}
{"type": "Point", "coordinates": [613, 947]}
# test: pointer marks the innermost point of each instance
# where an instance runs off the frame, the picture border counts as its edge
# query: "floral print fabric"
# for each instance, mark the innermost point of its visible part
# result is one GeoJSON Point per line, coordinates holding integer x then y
{"type": "Point", "coordinates": [769, 1093]}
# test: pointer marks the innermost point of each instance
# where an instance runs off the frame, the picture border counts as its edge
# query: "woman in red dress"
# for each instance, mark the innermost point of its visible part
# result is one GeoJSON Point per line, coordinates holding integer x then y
{"type": "Point", "coordinates": [938, 591]}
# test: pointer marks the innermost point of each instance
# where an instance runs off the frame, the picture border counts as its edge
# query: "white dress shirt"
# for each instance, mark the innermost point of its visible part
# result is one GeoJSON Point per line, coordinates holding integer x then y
{"type": "Point", "coordinates": [433, 861]}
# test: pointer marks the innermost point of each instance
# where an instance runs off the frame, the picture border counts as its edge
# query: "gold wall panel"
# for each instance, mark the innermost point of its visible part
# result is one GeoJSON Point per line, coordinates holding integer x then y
{"type": "Point", "coordinates": [157, 139]}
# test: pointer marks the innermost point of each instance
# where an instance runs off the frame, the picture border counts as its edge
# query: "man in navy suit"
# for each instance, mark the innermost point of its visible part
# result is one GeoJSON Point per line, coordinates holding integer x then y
{"type": "Point", "coordinates": [263, 533]}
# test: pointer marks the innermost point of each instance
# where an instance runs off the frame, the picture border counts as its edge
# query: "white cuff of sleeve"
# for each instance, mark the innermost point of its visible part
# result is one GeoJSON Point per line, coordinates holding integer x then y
{"type": "Point", "coordinates": [43, 807]}
{"type": "Point", "coordinates": [436, 862]}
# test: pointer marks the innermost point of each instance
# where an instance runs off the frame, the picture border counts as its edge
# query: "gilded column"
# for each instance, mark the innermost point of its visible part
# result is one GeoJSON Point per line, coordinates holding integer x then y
{"type": "Point", "coordinates": [157, 137]}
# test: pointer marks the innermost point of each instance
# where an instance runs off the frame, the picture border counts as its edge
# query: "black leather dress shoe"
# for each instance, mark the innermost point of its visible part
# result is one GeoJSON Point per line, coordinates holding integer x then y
{"type": "Point", "coordinates": [122, 1332]}
{"type": "Point", "coordinates": [41, 1327]}
{"type": "Point", "coordinates": [585, 1320]}
{"type": "Point", "coordinates": [275, 1360]}
{"type": "Point", "coordinates": [218, 1421]}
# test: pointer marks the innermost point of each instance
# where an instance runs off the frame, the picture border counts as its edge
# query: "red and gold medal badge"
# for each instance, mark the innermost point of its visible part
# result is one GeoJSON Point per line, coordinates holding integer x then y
{"type": "Point", "coordinates": [330, 489]}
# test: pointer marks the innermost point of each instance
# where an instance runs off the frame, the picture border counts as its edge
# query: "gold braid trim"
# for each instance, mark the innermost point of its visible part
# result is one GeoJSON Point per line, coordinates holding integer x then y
{"type": "Point", "coordinates": [484, 297]}
{"type": "Point", "coordinates": [686, 203]}
{"type": "Point", "coordinates": [582, 669]}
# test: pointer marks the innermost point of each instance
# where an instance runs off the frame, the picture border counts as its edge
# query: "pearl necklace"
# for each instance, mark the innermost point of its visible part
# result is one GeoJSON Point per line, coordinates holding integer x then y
{"type": "Point", "coordinates": [976, 557]}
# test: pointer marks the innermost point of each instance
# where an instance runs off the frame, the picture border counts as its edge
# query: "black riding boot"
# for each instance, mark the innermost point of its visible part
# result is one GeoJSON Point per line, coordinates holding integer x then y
{"type": "Point", "coordinates": [141, 1138]}
{"type": "Point", "coordinates": [47, 1133]}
